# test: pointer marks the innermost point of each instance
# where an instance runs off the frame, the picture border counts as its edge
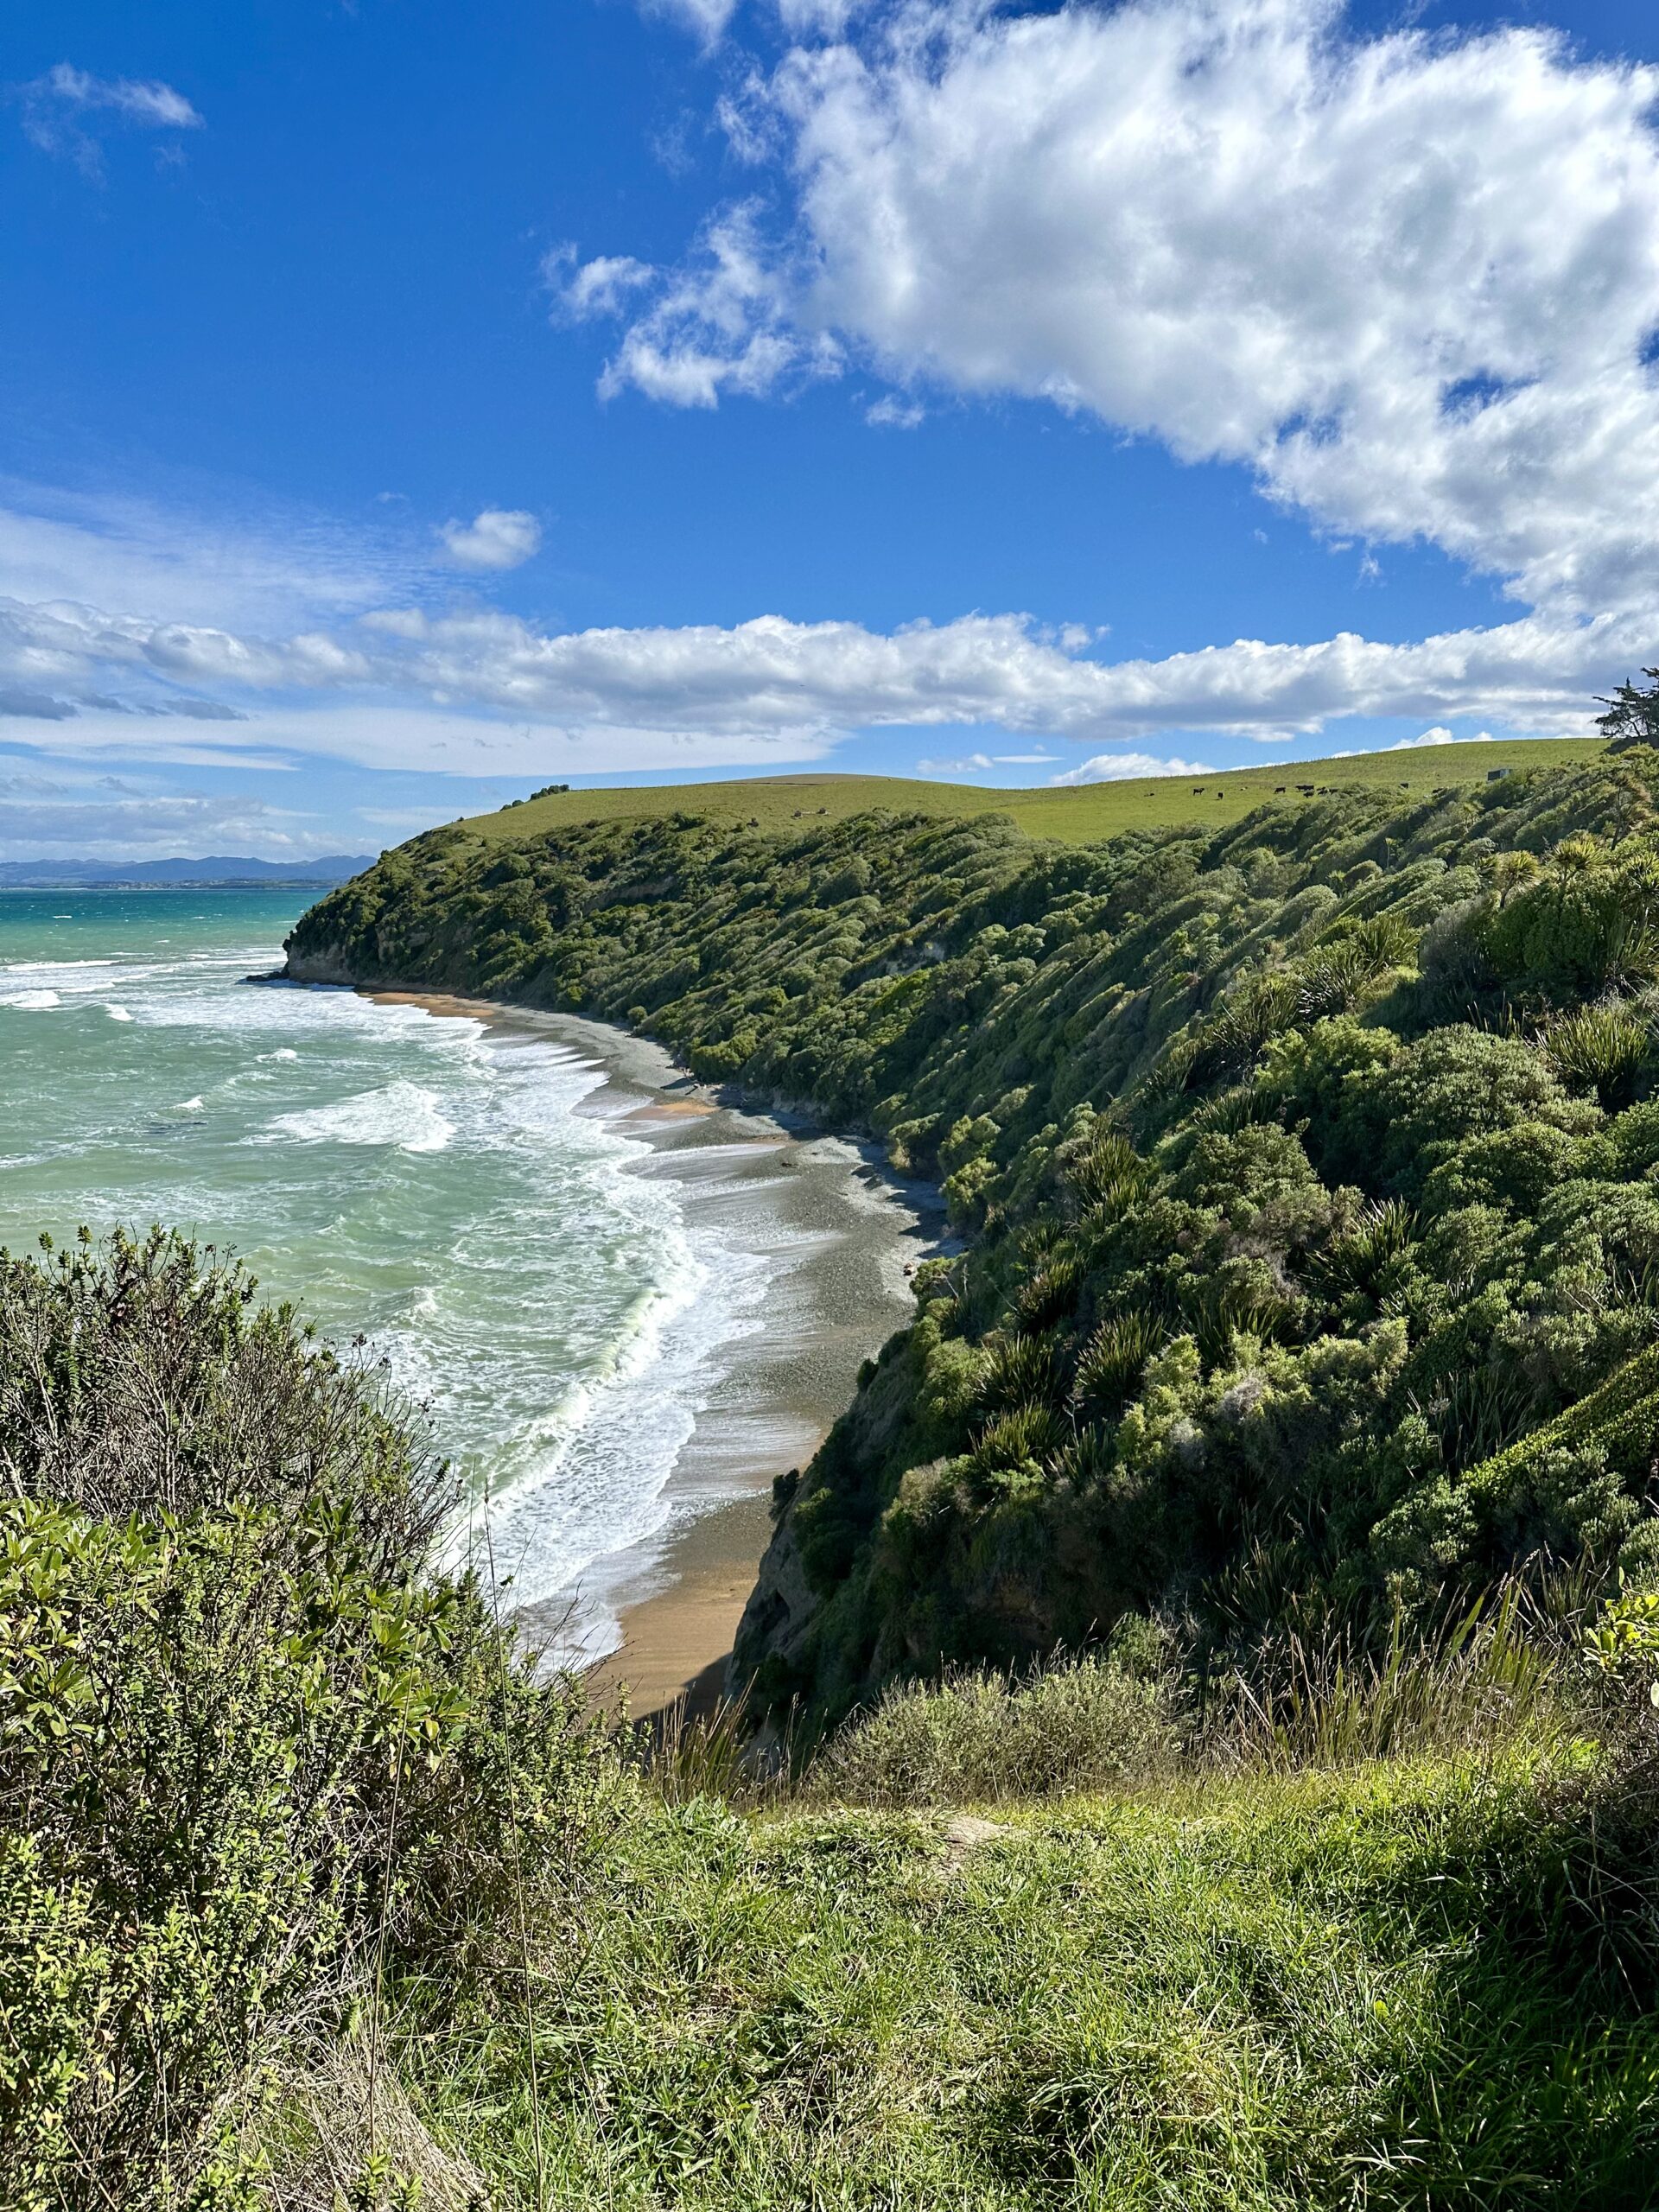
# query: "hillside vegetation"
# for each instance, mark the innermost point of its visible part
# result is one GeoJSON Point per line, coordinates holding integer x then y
{"type": "Point", "coordinates": [1307, 1165]}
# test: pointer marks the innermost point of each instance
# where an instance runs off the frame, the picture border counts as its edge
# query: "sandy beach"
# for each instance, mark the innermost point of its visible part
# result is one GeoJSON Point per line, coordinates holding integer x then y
{"type": "Point", "coordinates": [838, 1235]}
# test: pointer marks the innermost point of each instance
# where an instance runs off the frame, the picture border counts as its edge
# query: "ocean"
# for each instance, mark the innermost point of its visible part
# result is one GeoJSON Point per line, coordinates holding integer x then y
{"type": "Point", "coordinates": [567, 1269]}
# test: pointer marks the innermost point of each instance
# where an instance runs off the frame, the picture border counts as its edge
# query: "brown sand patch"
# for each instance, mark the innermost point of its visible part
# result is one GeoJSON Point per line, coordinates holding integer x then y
{"type": "Point", "coordinates": [676, 1641]}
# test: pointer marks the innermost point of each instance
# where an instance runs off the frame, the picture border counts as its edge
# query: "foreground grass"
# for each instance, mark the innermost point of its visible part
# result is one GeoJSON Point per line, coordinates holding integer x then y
{"type": "Point", "coordinates": [1397, 1987]}
{"type": "Point", "coordinates": [1080, 817]}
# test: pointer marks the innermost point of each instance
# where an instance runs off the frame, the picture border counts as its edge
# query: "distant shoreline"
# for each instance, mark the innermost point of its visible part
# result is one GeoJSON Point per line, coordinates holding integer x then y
{"type": "Point", "coordinates": [177, 883]}
{"type": "Point", "coordinates": [215, 872]}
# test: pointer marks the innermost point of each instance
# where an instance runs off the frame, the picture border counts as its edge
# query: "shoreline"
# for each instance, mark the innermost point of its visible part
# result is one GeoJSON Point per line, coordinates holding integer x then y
{"type": "Point", "coordinates": [839, 1233]}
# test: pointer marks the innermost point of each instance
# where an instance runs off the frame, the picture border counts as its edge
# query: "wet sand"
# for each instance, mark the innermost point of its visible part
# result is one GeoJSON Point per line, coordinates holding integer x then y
{"type": "Point", "coordinates": [837, 1234]}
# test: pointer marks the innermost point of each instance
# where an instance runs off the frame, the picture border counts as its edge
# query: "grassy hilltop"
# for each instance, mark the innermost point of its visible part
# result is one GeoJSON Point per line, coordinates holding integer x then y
{"type": "Point", "coordinates": [1081, 815]}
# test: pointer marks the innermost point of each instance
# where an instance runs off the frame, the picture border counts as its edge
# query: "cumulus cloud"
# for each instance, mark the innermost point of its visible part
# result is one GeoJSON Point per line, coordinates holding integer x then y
{"type": "Point", "coordinates": [1120, 767]}
{"type": "Point", "coordinates": [720, 326]}
{"type": "Point", "coordinates": [1410, 280]}
{"type": "Point", "coordinates": [123, 636]}
{"type": "Point", "coordinates": [499, 537]}
{"type": "Point", "coordinates": [58, 109]}
{"type": "Point", "coordinates": [771, 682]}
{"type": "Point", "coordinates": [599, 287]}
{"type": "Point", "coordinates": [1440, 735]}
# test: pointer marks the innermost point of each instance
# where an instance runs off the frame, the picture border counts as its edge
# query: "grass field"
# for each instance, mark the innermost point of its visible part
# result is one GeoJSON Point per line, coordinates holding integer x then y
{"type": "Point", "coordinates": [1082, 816]}
{"type": "Point", "coordinates": [1325, 1990]}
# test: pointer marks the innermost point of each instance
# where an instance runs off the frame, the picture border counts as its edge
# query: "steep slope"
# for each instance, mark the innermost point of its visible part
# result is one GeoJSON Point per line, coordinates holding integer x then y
{"type": "Point", "coordinates": [1306, 1165]}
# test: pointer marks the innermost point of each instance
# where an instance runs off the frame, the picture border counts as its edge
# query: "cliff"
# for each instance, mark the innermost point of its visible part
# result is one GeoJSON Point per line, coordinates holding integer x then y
{"type": "Point", "coordinates": [1305, 1160]}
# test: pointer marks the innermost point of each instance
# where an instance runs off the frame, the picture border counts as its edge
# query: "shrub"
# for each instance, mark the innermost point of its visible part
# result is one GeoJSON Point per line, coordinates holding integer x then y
{"type": "Point", "coordinates": [247, 1743]}
{"type": "Point", "coordinates": [1623, 1641]}
{"type": "Point", "coordinates": [1086, 1725]}
{"type": "Point", "coordinates": [143, 1376]}
{"type": "Point", "coordinates": [1113, 1361]}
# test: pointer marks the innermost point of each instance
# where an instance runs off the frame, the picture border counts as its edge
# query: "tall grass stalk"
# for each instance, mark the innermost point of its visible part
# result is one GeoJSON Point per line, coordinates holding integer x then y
{"type": "Point", "coordinates": [509, 1765]}
{"type": "Point", "coordinates": [1493, 1678]}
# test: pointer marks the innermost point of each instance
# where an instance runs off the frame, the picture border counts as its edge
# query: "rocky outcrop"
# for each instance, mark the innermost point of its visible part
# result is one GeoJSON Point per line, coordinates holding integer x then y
{"type": "Point", "coordinates": [782, 1605]}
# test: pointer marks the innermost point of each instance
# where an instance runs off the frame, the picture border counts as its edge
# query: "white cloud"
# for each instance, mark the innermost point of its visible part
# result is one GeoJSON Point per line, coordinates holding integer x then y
{"type": "Point", "coordinates": [1121, 767]}
{"type": "Point", "coordinates": [1440, 735]}
{"type": "Point", "coordinates": [58, 106]}
{"type": "Point", "coordinates": [154, 106]}
{"type": "Point", "coordinates": [706, 19]}
{"type": "Point", "coordinates": [274, 570]}
{"type": "Point", "coordinates": [890, 412]}
{"type": "Point", "coordinates": [599, 287]}
{"type": "Point", "coordinates": [70, 818]}
{"type": "Point", "coordinates": [129, 631]}
{"type": "Point", "coordinates": [765, 682]}
{"type": "Point", "coordinates": [413, 735]}
{"type": "Point", "coordinates": [499, 537]}
{"type": "Point", "coordinates": [1408, 279]}
{"type": "Point", "coordinates": [821, 18]}
{"type": "Point", "coordinates": [717, 327]}
{"type": "Point", "coordinates": [976, 761]}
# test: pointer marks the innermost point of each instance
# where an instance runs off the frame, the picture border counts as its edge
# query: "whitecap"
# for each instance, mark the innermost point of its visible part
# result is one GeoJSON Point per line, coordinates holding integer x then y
{"type": "Point", "coordinates": [48, 967]}
{"type": "Point", "coordinates": [188, 1106]}
{"type": "Point", "coordinates": [31, 1001]}
{"type": "Point", "coordinates": [282, 1053]}
{"type": "Point", "coordinates": [403, 1114]}
{"type": "Point", "coordinates": [116, 1013]}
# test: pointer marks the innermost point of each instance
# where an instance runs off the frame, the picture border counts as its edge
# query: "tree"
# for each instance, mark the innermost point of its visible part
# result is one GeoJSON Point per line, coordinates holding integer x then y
{"type": "Point", "coordinates": [1632, 716]}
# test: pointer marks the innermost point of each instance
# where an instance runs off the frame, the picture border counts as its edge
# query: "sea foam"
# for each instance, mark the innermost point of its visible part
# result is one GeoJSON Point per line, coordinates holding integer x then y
{"type": "Point", "coordinates": [403, 1114]}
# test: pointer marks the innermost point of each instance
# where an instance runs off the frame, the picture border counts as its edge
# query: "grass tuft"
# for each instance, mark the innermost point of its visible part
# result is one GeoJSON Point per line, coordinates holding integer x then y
{"type": "Point", "coordinates": [978, 1738]}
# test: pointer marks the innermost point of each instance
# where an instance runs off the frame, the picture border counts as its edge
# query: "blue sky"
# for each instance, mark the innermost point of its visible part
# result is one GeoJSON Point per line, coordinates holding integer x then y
{"type": "Point", "coordinates": [411, 404]}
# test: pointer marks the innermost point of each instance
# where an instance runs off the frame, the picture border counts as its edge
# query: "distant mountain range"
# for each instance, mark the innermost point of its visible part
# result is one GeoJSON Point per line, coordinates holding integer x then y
{"type": "Point", "coordinates": [78, 875]}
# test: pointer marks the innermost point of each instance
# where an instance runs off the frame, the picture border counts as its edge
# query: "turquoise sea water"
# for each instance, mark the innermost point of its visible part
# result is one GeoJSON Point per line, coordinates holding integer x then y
{"type": "Point", "coordinates": [467, 1199]}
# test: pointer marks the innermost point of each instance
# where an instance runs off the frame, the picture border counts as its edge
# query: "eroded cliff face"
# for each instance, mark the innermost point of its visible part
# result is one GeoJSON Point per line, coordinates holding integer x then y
{"type": "Point", "coordinates": [781, 1609]}
{"type": "Point", "coordinates": [322, 963]}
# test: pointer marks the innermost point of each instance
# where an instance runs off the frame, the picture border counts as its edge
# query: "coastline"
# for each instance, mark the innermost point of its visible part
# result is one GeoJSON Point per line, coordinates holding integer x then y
{"type": "Point", "coordinates": [838, 1234]}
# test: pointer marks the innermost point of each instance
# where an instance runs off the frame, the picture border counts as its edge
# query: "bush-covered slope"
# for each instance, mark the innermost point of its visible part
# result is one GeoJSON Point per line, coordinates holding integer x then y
{"type": "Point", "coordinates": [1306, 1166]}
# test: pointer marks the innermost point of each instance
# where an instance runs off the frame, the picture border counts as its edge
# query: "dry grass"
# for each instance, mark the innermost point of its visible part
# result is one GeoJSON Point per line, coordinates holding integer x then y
{"type": "Point", "coordinates": [321, 2120]}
